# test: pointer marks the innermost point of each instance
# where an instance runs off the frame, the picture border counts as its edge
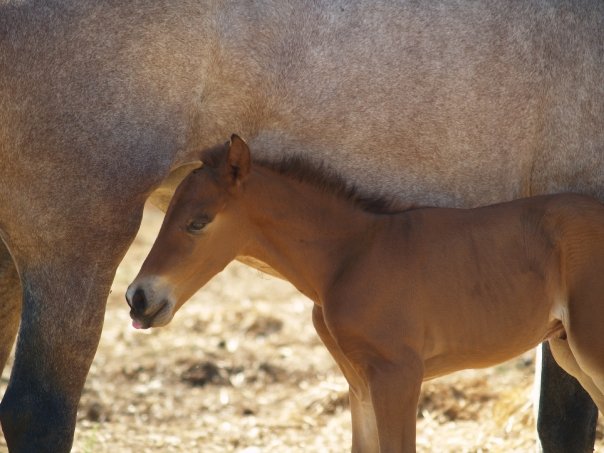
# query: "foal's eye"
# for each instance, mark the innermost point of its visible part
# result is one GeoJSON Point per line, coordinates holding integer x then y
{"type": "Point", "coordinates": [195, 226]}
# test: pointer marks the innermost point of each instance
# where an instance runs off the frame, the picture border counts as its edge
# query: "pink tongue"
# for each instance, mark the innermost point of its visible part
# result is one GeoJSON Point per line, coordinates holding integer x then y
{"type": "Point", "coordinates": [137, 324]}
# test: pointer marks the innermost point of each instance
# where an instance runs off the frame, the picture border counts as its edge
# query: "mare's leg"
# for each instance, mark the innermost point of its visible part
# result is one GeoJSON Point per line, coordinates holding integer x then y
{"type": "Point", "coordinates": [10, 304]}
{"type": "Point", "coordinates": [66, 273]}
{"type": "Point", "coordinates": [364, 430]}
{"type": "Point", "coordinates": [567, 416]}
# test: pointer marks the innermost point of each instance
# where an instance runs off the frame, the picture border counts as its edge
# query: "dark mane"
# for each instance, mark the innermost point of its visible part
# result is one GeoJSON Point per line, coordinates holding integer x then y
{"type": "Point", "coordinates": [328, 180]}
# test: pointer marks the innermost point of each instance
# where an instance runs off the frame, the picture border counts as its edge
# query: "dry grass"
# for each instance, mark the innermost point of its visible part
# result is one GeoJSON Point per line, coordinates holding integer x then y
{"type": "Point", "coordinates": [240, 369]}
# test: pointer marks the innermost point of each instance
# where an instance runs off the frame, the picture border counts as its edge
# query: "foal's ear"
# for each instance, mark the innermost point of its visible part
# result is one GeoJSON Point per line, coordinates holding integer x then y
{"type": "Point", "coordinates": [238, 159]}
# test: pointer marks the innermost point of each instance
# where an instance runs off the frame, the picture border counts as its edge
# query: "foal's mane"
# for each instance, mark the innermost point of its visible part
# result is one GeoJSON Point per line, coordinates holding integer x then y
{"type": "Point", "coordinates": [327, 179]}
{"type": "Point", "coordinates": [319, 175]}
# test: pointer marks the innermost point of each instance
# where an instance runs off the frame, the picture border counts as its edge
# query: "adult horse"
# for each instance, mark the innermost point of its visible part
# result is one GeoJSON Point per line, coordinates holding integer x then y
{"type": "Point", "coordinates": [105, 102]}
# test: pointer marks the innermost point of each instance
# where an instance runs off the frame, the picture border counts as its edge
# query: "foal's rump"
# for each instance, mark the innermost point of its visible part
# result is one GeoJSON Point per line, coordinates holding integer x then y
{"type": "Point", "coordinates": [582, 254]}
{"type": "Point", "coordinates": [575, 225]}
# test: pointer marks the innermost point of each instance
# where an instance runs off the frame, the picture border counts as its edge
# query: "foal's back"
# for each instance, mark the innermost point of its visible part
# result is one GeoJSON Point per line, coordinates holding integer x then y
{"type": "Point", "coordinates": [536, 226]}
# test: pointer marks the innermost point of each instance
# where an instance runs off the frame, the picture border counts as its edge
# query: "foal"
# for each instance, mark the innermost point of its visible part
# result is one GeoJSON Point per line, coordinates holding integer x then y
{"type": "Point", "coordinates": [399, 297]}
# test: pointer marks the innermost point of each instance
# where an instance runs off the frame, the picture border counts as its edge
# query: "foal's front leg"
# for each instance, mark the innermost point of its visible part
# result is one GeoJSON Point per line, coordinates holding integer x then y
{"type": "Point", "coordinates": [388, 371]}
{"type": "Point", "coordinates": [394, 387]}
{"type": "Point", "coordinates": [364, 430]}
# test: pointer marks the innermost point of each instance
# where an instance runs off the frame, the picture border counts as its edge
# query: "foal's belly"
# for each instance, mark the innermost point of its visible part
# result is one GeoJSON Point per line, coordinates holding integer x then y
{"type": "Point", "coordinates": [486, 338]}
{"type": "Point", "coordinates": [443, 364]}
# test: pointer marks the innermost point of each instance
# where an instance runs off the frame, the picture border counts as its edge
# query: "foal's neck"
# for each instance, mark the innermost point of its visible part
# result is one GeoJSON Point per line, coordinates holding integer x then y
{"type": "Point", "coordinates": [303, 232]}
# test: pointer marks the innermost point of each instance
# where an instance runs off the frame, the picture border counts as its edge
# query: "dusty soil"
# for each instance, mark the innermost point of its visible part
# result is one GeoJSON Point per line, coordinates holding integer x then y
{"type": "Point", "coordinates": [240, 369]}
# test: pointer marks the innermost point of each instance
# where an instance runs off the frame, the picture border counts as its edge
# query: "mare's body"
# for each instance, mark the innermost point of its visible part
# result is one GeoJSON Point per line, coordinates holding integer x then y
{"type": "Point", "coordinates": [399, 298]}
{"type": "Point", "coordinates": [103, 100]}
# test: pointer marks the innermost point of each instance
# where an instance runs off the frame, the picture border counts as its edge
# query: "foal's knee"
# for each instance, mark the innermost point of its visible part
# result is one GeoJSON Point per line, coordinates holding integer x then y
{"type": "Point", "coordinates": [405, 369]}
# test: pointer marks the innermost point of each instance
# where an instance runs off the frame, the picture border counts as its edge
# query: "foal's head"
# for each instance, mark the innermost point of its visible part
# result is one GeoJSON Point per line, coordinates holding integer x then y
{"type": "Point", "coordinates": [202, 232]}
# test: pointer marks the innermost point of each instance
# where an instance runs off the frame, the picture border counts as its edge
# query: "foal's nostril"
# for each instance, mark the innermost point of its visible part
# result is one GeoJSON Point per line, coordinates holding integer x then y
{"type": "Point", "coordinates": [139, 301]}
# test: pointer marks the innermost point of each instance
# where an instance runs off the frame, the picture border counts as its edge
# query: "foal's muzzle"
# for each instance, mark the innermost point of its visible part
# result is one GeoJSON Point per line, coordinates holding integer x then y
{"type": "Point", "coordinates": [148, 307]}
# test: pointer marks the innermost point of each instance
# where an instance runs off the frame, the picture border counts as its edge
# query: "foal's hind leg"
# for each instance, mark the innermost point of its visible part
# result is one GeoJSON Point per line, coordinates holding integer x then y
{"type": "Point", "coordinates": [586, 319]}
{"type": "Point", "coordinates": [10, 304]}
{"type": "Point", "coordinates": [582, 354]}
{"type": "Point", "coordinates": [566, 359]}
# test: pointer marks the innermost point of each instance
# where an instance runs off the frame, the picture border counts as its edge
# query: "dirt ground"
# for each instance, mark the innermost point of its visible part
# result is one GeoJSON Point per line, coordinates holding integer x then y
{"type": "Point", "coordinates": [240, 369]}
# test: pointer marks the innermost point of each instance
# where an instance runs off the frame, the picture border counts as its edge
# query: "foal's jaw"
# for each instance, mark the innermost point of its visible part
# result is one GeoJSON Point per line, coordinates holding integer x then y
{"type": "Point", "coordinates": [151, 302]}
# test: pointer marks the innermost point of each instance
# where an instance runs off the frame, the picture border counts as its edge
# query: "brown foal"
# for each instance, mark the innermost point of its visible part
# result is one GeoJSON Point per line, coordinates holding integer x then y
{"type": "Point", "coordinates": [399, 297]}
